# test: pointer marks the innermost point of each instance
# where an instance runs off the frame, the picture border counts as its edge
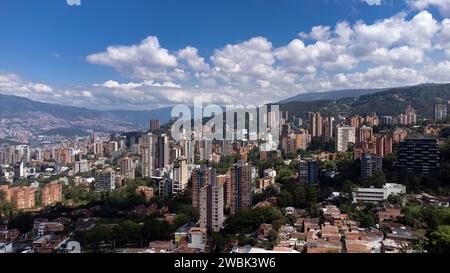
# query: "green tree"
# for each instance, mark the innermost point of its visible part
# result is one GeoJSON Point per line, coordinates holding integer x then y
{"type": "Point", "coordinates": [377, 180]}
{"type": "Point", "coordinates": [440, 240]}
{"type": "Point", "coordinates": [348, 188]}
{"type": "Point", "coordinates": [285, 199]}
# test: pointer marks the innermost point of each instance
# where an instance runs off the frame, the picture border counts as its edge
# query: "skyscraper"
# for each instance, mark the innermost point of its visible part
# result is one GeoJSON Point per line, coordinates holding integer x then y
{"type": "Point", "coordinates": [165, 188]}
{"type": "Point", "coordinates": [211, 207]}
{"type": "Point", "coordinates": [127, 168]}
{"type": "Point", "coordinates": [365, 134]}
{"type": "Point", "coordinates": [180, 175]}
{"type": "Point", "coordinates": [163, 151]}
{"type": "Point", "coordinates": [241, 187]}
{"type": "Point", "coordinates": [154, 124]}
{"type": "Point", "coordinates": [315, 124]}
{"type": "Point", "coordinates": [51, 194]}
{"type": "Point", "coordinates": [345, 135]}
{"type": "Point", "coordinates": [148, 155]}
{"type": "Point", "coordinates": [440, 112]}
{"type": "Point", "coordinates": [370, 163]}
{"type": "Point", "coordinates": [201, 177]}
{"type": "Point", "coordinates": [418, 155]}
{"type": "Point", "coordinates": [309, 172]}
{"type": "Point", "coordinates": [105, 181]}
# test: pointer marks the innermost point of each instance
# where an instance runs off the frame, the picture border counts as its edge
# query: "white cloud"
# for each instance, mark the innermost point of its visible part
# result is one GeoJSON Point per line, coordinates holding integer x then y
{"type": "Point", "coordinates": [373, 2]}
{"type": "Point", "coordinates": [358, 55]}
{"type": "Point", "coordinates": [73, 2]}
{"type": "Point", "coordinates": [194, 61]}
{"type": "Point", "coordinates": [442, 5]}
{"type": "Point", "coordinates": [146, 60]}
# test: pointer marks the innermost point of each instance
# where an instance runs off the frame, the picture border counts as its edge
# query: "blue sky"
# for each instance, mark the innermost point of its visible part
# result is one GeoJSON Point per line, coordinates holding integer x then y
{"type": "Point", "coordinates": [51, 51]}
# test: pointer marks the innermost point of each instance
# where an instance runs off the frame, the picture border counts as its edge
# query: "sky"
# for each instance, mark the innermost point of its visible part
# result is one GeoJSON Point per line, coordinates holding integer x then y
{"type": "Point", "coordinates": [140, 54]}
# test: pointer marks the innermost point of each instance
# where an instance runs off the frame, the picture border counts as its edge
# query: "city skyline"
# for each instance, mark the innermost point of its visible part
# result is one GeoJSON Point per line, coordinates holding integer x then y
{"type": "Point", "coordinates": [201, 127]}
{"type": "Point", "coordinates": [166, 53]}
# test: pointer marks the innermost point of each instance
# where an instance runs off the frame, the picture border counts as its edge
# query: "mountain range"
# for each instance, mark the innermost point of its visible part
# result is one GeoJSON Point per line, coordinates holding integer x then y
{"type": "Point", "coordinates": [42, 117]}
{"type": "Point", "coordinates": [45, 118]}
{"type": "Point", "coordinates": [331, 95]}
{"type": "Point", "coordinates": [390, 102]}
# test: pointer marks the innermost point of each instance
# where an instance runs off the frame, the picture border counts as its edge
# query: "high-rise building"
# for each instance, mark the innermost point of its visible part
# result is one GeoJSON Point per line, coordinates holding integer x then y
{"type": "Point", "coordinates": [148, 154]}
{"type": "Point", "coordinates": [309, 172]}
{"type": "Point", "coordinates": [201, 177]}
{"type": "Point", "coordinates": [19, 170]}
{"type": "Point", "coordinates": [241, 187]}
{"type": "Point", "coordinates": [370, 164]}
{"type": "Point", "coordinates": [365, 134]}
{"type": "Point", "coordinates": [211, 207]}
{"type": "Point", "coordinates": [163, 151]}
{"type": "Point", "coordinates": [205, 149]}
{"type": "Point", "coordinates": [127, 168]}
{"type": "Point", "coordinates": [154, 124]}
{"type": "Point", "coordinates": [23, 197]}
{"type": "Point", "coordinates": [399, 135]}
{"type": "Point", "coordinates": [225, 181]}
{"type": "Point", "coordinates": [81, 166]}
{"type": "Point", "coordinates": [345, 135]}
{"type": "Point", "coordinates": [51, 194]}
{"type": "Point", "coordinates": [315, 124]}
{"type": "Point", "coordinates": [384, 145]}
{"type": "Point", "coordinates": [418, 155]}
{"type": "Point", "coordinates": [440, 112]}
{"type": "Point", "coordinates": [165, 188]}
{"type": "Point", "coordinates": [180, 175]}
{"type": "Point", "coordinates": [409, 118]}
{"type": "Point", "coordinates": [387, 120]}
{"type": "Point", "coordinates": [328, 128]}
{"type": "Point", "coordinates": [105, 181]}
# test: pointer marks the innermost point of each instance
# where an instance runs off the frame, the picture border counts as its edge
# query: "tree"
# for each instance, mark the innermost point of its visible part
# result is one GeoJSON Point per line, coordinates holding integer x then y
{"type": "Point", "coordinates": [155, 230]}
{"type": "Point", "coordinates": [440, 240]}
{"type": "Point", "coordinates": [23, 222]}
{"type": "Point", "coordinates": [249, 220]}
{"type": "Point", "coordinates": [348, 188]}
{"type": "Point", "coordinates": [377, 180]}
{"type": "Point", "coordinates": [285, 199]}
{"type": "Point", "coordinates": [311, 196]}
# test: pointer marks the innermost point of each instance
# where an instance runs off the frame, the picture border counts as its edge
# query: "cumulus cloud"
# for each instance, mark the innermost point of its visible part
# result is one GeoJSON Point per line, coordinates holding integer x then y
{"type": "Point", "coordinates": [358, 55]}
{"type": "Point", "coordinates": [73, 2]}
{"type": "Point", "coordinates": [146, 60]}
{"type": "Point", "coordinates": [373, 2]}
{"type": "Point", "coordinates": [442, 5]}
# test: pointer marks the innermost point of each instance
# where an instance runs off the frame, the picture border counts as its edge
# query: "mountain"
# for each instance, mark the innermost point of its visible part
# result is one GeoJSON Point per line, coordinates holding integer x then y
{"type": "Point", "coordinates": [332, 95]}
{"type": "Point", "coordinates": [388, 102]}
{"type": "Point", "coordinates": [42, 117]}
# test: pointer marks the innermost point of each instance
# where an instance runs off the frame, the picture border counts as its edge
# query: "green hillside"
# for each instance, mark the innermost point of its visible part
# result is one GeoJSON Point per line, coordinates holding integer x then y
{"type": "Point", "coordinates": [390, 102]}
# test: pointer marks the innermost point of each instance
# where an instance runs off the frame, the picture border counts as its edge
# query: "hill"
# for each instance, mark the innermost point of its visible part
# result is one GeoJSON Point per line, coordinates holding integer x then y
{"type": "Point", "coordinates": [332, 95]}
{"type": "Point", "coordinates": [388, 102]}
{"type": "Point", "coordinates": [44, 117]}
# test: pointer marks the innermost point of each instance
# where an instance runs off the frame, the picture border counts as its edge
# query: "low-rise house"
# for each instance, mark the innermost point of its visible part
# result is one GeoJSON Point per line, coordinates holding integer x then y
{"type": "Point", "coordinates": [48, 243]}
{"type": "Point", "coordinates": [49, 227]}
{"type": "Point", "coordinates": [311, 224]}
{"type": "Point", "coordinates": [400, 233]}
{"type": "Point", "coordinates": [363, 241]}
{"type": "Point", "coordinates": [9, 235]}
{"type": "Point", "coordinates": [85, 224]}
{"type": "Point", "coordinates": [323, 246]}
{"type": "Point", "coordinates": [388, 211]}
{"type": "Point", "coordinates": [264, 231]}
{"type": "Point", "coordinates": [330, 232]}
{"type": "Point", "coordinates": [161, 246]}
{"type": "Point", "coordinates": [147, 192]}
{"type": "Point", "coordinates": [198, 238]}
{"type": "Point", "coordinates": [183, 232]}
